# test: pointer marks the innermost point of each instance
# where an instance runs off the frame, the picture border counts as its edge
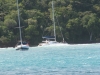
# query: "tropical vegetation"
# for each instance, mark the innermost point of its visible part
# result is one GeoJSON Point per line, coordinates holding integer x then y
{"type": "Point", "coordinates": [79, 20]}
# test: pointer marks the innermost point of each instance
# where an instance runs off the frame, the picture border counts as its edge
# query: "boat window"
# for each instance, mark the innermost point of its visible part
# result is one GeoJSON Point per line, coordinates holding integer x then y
{"type": "Point", "coordinates": [24, 43]}
{"type": "Point", "coordinates": [19, 43]}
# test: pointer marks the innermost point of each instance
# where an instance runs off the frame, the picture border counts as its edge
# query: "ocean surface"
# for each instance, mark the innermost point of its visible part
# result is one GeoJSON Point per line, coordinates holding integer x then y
{"type": "Point", "coordinates": [78, 59]}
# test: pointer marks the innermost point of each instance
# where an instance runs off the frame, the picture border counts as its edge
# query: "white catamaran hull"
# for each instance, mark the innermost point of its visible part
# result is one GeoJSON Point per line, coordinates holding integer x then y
{"type": "Point", "coordinates": [47, 45]}
{"type": "Point", "coordinates": [51, 43]}
{"type": "Point", "coordinates": [22, 47]}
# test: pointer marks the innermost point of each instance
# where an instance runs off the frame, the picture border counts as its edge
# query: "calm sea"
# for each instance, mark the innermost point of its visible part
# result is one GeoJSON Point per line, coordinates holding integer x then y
{"type": "Point", "coordinates": [79, 59]}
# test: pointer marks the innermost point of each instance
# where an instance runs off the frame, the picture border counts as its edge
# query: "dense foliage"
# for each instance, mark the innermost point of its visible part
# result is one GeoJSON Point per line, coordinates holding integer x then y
{"type": "Point", "coordinates": [78, 19]}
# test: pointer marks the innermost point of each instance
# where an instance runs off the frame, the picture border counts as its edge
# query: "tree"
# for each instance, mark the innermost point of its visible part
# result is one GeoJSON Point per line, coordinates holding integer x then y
{"type": "Point", "coordinates": [10, 23]}
{"type": "Point", "coordinates": [31, 33]}
{"type": "Point", "coordinates": [90, 22]}
{"type": "Point", "coordinates": [74, 28]}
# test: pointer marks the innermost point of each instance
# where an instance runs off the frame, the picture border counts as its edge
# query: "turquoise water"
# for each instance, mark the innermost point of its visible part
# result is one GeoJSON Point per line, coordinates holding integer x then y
{"type": "Point", "coordinates": [80, 59]}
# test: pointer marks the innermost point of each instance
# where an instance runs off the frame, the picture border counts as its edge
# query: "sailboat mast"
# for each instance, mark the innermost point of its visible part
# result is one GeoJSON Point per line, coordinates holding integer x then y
{"type": "Point", "coordinates": [53, 20]}
{"type": "Point", "coordinates": [19, 22]}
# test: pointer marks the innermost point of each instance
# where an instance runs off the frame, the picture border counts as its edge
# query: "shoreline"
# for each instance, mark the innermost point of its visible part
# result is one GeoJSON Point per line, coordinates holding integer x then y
{"type": "Point", "coordinates": [67, 43]}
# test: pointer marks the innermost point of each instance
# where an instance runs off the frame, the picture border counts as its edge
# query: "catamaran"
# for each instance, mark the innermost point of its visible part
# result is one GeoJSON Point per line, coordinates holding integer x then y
{"type": "Point", "coordinates": [50, 40]}
{"type": "Point", "coordinates": [21, 45]}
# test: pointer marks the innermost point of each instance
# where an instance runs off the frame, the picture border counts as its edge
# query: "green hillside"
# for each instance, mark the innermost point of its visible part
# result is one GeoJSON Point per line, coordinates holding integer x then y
{"type": "Point", "coordinates": [78, 19]}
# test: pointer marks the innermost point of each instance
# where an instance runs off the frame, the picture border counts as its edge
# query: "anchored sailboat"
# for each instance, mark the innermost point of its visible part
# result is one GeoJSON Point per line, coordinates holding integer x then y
{"type": "Point", "coordinates": [50, 40]}
{"type": "Point", "coordinates": [21, 45]}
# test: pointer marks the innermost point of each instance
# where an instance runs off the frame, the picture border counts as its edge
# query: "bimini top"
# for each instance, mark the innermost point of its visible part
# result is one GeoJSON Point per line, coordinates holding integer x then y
{"type": "Point", "coordinates": [48, 37]}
